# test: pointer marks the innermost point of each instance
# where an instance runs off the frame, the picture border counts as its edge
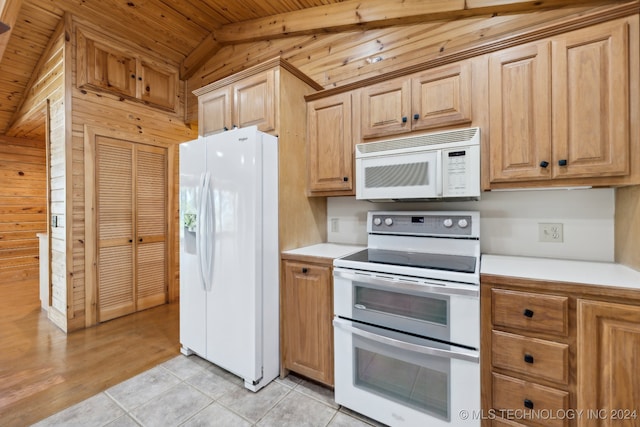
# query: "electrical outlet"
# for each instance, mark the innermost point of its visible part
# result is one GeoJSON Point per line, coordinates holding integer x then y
{"type": "Point", "coordinates": [550, 232]}
{"type": "Point", "coordinates": [335, 225]}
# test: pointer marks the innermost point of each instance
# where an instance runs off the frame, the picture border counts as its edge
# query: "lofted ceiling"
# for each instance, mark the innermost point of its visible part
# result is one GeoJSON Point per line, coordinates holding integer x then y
{"type": "Point", "coordinates": [187, 32]}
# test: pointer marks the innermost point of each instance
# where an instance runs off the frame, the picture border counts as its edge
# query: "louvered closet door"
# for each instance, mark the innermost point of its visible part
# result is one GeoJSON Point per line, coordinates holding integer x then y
{"type": "Point", "coordinates": [151, 225]}
{"type": "Point", "coordinates": [115, 228]}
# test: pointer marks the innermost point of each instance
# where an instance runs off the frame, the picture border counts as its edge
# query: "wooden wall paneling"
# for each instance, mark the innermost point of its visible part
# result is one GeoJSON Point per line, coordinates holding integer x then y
{"type": "Point", "coordinates": [76, 321]}
{"type": "Point", "coordinates": [22, 207]}
{"type": "Point", "coordinates": [339, 60]}
{"type": "Point", "coordinates": [309, 223]}
{"type": "Point", "coordinates": [103, 114]}
{"type": "Point", "coordinates": [28, 40]}
{"type": "Point", "coordinates": [45, 79]}
{"type": "Point", "coordinates": [173, 231]}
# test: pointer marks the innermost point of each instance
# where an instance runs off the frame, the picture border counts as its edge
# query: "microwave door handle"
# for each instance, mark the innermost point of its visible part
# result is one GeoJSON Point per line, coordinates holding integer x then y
{"type": "Point", "coordinates": [416, 348]}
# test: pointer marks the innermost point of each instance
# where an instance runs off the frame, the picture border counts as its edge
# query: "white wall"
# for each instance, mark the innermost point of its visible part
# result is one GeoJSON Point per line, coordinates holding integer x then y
{"type": "Point", "coordinates": [509, 221]}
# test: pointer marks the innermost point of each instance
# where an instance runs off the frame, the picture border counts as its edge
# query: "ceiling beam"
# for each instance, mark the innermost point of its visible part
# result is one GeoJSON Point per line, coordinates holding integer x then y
{"type": "Point", "coordinates": [356, 14]}
{"type": "Point", "coordinates": [352, 15]}
{"type": "Point", "coordinates": [9, 10]}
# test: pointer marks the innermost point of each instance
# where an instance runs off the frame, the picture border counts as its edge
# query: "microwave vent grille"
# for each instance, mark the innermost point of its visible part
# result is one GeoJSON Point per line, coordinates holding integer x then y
{"type": "Point", "coordinates": [418, 141]}
{"type": "Point", "coordinates": [404, 175]}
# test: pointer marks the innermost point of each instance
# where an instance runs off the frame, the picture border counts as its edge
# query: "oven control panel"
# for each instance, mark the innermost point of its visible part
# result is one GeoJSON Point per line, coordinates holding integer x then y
{"type": "Point", "coordinates": [446, 224]}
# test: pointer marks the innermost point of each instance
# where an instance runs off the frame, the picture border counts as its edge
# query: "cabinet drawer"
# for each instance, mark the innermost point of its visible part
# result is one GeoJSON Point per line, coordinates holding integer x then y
{"type": "Point", "coordinates": [528, 402]}
{"type": "Point", "coordinates": [540, 358]}
{"type": "Point", "coordinates": [530, 312]}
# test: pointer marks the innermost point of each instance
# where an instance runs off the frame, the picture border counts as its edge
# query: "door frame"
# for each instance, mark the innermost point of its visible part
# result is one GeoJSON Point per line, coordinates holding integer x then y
{"type": "Point", "coordinates": [91, 242]}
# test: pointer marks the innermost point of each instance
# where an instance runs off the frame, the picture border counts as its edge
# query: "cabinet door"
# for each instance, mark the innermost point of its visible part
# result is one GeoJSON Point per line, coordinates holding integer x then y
{"type": "Point", "coordinates": [441, 97]}
{"type": "Point", "coordinates": [386, 107]}
{"type": "Point", "coordinates": [330, 144]}
{"type": "Point", "coordinates": [608, 357]}
{"type": "Point", "coordinates": [520, 114]}
{"type": "Point", "coordinates": [159, 85]}
{"type": "Point", "coordinates": [214, 111]}
{"type": "Point", "coordinates": [307, 316]}
{"type": "Point", "coordinates": [115, 220]}
{"type": "Point", "coordinates": [105, 67]}
{"type": "Point", "coordinates": [151, 226]}
{"type": "Point", "coordinates": [254, 102]}
{"type": "Point", "coordinates": [591, 101]}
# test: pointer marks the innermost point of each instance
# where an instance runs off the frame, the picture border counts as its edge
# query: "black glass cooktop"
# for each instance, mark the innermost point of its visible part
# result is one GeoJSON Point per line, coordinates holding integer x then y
{"type": "Point", "coordinates": [456, 263]}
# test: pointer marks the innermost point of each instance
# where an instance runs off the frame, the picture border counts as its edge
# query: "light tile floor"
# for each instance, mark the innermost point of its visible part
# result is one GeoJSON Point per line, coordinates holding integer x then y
{"type": "Point", "coordinates": [189, 391]}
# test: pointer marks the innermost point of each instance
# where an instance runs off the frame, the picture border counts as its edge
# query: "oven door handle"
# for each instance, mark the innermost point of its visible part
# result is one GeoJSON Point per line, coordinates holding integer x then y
{"type": "Point", "coordinates": [416, 348]}
{"type": "Point", "coordinates": [411, 286]}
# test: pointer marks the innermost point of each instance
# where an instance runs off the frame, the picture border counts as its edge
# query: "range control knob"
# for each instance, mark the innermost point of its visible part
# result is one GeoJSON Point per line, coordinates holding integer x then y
{"type": "Point", "coordinates": [377, 221]}
{"type": "Point", "coordinates": [463, 223]}
{"type": "Point", "coordinates": [388, 221]}
{"type": "Point", "coordinates": [447, 222]}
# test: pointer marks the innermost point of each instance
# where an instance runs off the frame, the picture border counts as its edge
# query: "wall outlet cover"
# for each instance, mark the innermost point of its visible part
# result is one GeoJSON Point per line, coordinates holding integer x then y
{"type": "Point", "coordinates": [550, 232]}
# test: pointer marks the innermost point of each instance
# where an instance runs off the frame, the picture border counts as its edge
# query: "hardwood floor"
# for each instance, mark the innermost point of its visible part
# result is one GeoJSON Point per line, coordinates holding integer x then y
{"type": "Point", "coordinates": [43, 370]}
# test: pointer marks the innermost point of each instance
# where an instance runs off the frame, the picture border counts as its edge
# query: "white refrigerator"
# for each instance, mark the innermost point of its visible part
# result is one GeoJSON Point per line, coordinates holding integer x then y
{"type": "Point", "coordinates": [229, 275]}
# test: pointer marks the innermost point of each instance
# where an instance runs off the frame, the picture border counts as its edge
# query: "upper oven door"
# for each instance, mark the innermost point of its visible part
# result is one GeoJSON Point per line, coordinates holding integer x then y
{"type": "Point", "coordinates": [449, 312]}
{"type": "Point", "coordinates": [413, 175]}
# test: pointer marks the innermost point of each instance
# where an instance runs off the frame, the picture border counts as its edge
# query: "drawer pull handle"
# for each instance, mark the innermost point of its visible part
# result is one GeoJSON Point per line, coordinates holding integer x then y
{"type": "Point", "coordinates": [527, 313]}
{"type": "Point", "coordinates": [528, 358]}
{"type": "Point", "coordinates": [305, 270]}
{"type": "Point", "coordinates": [528, 404]}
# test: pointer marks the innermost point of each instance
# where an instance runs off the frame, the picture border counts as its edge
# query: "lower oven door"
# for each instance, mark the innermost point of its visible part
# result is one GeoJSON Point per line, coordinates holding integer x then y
{"type": "Point", "coordinates": [403, 380]}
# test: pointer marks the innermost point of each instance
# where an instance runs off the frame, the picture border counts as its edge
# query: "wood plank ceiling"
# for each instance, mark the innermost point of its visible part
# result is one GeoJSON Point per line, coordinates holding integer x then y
{"type": "Point", "coordinates": [187, 32]}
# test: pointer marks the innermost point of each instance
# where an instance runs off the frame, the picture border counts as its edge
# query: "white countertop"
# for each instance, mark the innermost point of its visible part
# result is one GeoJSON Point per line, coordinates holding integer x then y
{"type": "Point", "coordinates": [557, 270]}
{"type": "Point", "coordinates": [326, 250]}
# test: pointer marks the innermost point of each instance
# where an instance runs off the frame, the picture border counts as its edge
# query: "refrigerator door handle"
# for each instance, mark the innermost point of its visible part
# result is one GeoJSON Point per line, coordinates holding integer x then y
{"type": "Point", "coordinates": [211, 241]}
{"type": "Point", "coordinates": [200, 229]}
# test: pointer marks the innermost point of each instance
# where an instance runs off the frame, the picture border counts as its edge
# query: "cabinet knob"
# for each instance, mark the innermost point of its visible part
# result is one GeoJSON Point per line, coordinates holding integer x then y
{"type": "Point", "coordinates": [130, 240]}
{"type": "Point", "coordinates": [404, 119]}
{"type": "Point", "coordinates": [140, 78]}
{"type": "Point", "coordinates": [544, 164]}
{"type": "Point", "coordinates": [133, 76]}
{"type": "Point", "coordinates": [562, 162]}
{"type": "Point", "coordinates": [528, 404]}
{"type": "Point", "coordinates": [140, 239]}
{"type": "Point", "coordinates": [345, 178]}
{"type": "Point", "coordinates": [416, 116]}
{"type": "Point", "coordinates": [527, 313]}
{"type": "Point", "coordinates": [528, 358]}
{"type": "Point", "coordinates": [305, 270]}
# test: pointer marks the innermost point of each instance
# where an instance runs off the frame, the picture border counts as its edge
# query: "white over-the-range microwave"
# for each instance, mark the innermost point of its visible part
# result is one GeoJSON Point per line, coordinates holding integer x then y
{"type": "Point", "coordinates": [434, 166]}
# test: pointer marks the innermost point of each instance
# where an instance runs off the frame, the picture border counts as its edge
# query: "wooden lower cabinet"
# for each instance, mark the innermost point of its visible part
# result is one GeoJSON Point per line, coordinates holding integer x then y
{"type": "Point", "coordinates": [559, 354]}
{"type": "Point", "coordinates": [608, 359]}
{"type": "Point", "coordinates": [307, 313]}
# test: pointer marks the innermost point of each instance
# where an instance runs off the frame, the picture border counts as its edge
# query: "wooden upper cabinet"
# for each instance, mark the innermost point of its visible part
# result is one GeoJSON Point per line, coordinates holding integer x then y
{"type": "Point", "coordinates": [560, 109]}
{"type": "Point", "coordinates": [520, 113]}
{"type": "Point", "coordinates": [214, 111]}
{"type": "Point", "coordinates": [385, 108]}
{"type": "Point", "coordinates": [591, 101]}
{"type": "Point", "coordinates": [441, 97]}
{"type": "Point", "coordinates": [103, 66]}
{"type": "Point", "coordinates": [254, 102]}
{"type": "Point", "coordinates": [159, 85]}
{"type": "Point", "coordinates": [607, 379]}
{"type": "Point", "coordinates": [330, 144]}
{"type": "Point", "coordinates": [435, 98]}
{"type": "Point", "coordinates": [247, 102]}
